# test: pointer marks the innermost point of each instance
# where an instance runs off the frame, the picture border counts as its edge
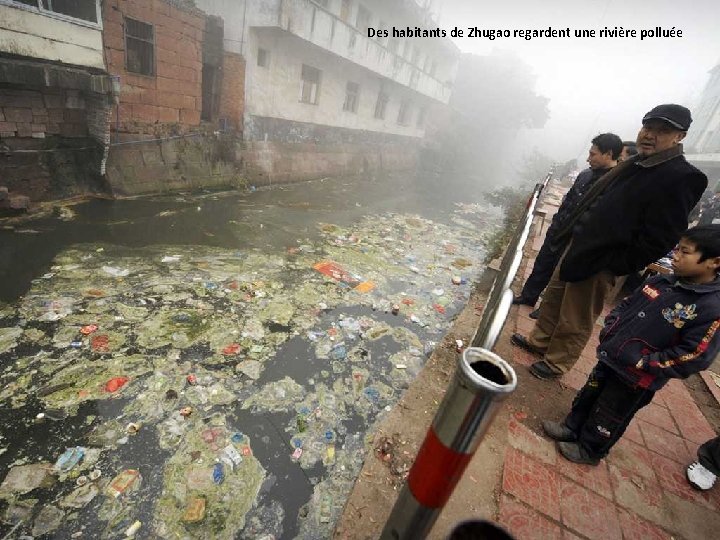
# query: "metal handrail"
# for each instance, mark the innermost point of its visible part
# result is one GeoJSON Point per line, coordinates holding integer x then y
{"type": "Point", "coordinates": [496, 311]}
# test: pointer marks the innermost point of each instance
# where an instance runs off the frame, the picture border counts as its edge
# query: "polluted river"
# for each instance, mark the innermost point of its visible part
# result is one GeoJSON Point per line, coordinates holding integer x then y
{"type": "Point", "coordinates": [213, 365]}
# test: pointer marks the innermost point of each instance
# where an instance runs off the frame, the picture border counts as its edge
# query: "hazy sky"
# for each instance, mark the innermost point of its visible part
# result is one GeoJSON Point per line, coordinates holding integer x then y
{"type": "Point", "coordinates": [598, 84]}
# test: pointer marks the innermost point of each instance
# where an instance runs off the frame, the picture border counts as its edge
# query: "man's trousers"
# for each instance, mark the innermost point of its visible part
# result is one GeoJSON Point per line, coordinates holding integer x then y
{"type": "Point", "coordinates": [567, 315]}
{"type": "Point", "coordinates": [602, 410]}
{"type": "Point", "coordinates": [542, 271]}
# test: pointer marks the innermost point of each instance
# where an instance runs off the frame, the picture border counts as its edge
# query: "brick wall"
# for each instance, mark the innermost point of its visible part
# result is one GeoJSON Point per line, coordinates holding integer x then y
{"type": "Point", "coordinates": [232, 94]}
{"type": "Point", "coordinates": [170, 101]}
{"type": "Point", "coordinates": [38, 113]}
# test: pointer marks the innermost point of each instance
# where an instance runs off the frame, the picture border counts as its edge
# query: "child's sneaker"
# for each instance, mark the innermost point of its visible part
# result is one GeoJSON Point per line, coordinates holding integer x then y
{"type": "Point", "coordinates": [699, 477]}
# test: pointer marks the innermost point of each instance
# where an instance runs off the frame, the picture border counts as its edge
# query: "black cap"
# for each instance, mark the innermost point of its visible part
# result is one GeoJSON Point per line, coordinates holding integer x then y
{"type": "Point", "coordinates": [675, 115]}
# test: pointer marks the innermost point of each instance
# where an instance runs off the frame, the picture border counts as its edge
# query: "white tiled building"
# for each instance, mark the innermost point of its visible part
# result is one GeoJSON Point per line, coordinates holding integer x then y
{"type": "Point", "coordinates": [312, 71]}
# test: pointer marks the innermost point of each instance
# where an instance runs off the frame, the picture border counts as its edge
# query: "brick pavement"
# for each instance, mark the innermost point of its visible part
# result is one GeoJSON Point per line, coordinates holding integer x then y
{"type": "Point", "coordinates": [638, 492]}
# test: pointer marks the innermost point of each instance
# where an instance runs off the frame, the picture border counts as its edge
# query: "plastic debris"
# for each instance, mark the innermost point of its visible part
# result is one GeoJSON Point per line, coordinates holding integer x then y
{"type": "Point", "coordinates": [195, 510]}
{"type": "Point", "coordinates": [232, 349]}
{"type": "Point", "coordinates": [133, 529]}
{"type": "Point", "coordinates": [69, 459]}
{"type": "Point", "coordinates": [165, 325]}
{"type": "Point", "coordinates": [297, 454]}
{"type": "Point", "coordinates": [115, 384]}
{"type": "Point", "coordinates": [25, 478]}
{"type": "Point", "coordinates": [89, 329]}
{"type": "Point", "coordinates": [123, 482]}
{"type": "Point", "coordinates": [232, 456]}
{"type": "Point", "coordinates": [186, 411]}
{"type": "Point", "coordinates": [115, 272]}
{"type": "Point", "coordinates": [218, 473]}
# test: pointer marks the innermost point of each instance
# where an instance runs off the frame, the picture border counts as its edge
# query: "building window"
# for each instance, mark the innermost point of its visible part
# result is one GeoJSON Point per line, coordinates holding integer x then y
{"type": "Point", "coordinates": [263, 59]}
{"type": "Point", "coordinates": [363, 20]}
{"type": "Point", "coordinates": [139, 47]}
{"type": "Point", "coordinates": [86, 10]}
{"type": "Point", "coordinates": [404, 113]}
{"type": "Point", "coordinates": [346, 10]}
{"type": "Point", "coordinates": [309, 92]}
{"type": "Point", "coordinates": [381, 105]}
{"type": "Point", "coordinates": [421, 118]}
{"type": "Point", "coordinates": [352, 97]}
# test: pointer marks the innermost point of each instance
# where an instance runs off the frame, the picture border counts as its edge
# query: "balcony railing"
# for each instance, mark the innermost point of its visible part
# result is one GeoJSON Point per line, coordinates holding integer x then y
{"type": "Point", "coordinates": [312, 23]}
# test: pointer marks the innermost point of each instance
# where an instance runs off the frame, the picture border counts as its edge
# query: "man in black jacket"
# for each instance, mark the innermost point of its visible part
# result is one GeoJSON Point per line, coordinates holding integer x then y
{"type": "Point", "coordinates": [629, 218]}
{"type": "Point", "coordinates": [603, 155]}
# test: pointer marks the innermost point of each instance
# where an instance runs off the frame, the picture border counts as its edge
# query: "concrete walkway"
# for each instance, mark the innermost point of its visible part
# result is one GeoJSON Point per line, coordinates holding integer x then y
{"type": "Point", "coordinates": [638, 492]}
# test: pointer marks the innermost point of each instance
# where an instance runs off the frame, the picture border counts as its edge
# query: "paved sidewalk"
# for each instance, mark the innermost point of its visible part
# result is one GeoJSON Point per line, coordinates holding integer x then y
{"type": "Point", "coordinates": [638, 492]}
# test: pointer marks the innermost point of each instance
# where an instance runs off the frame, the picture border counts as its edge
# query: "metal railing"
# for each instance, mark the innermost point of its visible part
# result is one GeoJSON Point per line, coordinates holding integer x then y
{"type": "Point", "coordinates": [500, 297]}
{"type": "Point", "coordinates": [482, 381]}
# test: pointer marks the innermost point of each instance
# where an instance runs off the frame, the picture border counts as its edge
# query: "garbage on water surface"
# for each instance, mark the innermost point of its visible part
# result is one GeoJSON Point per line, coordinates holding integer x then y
{"type": "Point", "coordinates": [23, 479]}
{"type": "Point", "coordinates": [123, 482]}
{"type": "Point", "coordinates": [69, 459]}
{"type": "Point", "coordinates": [174, 343]}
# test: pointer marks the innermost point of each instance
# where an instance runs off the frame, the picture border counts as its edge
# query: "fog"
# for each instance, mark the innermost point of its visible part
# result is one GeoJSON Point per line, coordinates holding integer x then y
{"type": "Point", "coordinates": [597, 84]}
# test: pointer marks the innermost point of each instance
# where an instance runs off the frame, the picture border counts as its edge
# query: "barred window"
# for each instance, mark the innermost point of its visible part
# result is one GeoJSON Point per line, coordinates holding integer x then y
{"type": "Point", "coordinates": [139, 47]}
{"type": "Point", "coordinates": [381, 105]}
{"type": "Point", "coordinates": [310, 89]}
{"type": "Point", "coordinates": [352, 97]}
{"type": "Point", "coordinates": [404, 113]}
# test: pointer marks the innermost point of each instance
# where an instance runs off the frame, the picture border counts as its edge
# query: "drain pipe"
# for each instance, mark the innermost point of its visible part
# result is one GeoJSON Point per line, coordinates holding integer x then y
{"type": "Point", "coordinates": [482, 381]}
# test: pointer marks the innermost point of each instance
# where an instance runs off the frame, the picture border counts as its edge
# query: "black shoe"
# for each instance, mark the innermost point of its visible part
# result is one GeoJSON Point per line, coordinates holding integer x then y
{"type": "Point", "coordinates": [542, 370]}
{"type": "Point", "coordinates": [521, 341]}
{"type": "Point", "coordinates": [558, 431]}
{"type": "Point", "coordinates": [521, 300]}
{"type": "Point", "coordinates": [572, 451]}
{"type": "Point", "coordinates": [534, 314]}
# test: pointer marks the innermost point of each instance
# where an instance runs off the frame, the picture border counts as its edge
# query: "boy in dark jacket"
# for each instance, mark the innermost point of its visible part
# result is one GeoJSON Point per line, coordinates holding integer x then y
{"type": "Point", "coordinates": [668, 328]}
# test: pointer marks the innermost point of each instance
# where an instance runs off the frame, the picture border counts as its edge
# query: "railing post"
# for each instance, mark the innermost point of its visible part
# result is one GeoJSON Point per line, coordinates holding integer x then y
{"type": "Point", "coordinates": [481, 382]}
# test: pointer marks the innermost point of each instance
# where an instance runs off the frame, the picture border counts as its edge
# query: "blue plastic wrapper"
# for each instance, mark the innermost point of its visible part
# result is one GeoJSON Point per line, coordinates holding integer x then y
{"type": "Point", "coordinates": [218, 473]}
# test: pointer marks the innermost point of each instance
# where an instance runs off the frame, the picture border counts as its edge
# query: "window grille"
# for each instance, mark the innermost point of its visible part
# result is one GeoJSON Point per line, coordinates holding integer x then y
{"type": "Point", "coordinates": [381, 105]}
{"type": "Point", "coordinates": [352, 97]}
{"type": "Point", "coordinates": [309, 91]}
{"type": "Point", "coordinates": [139, 47]}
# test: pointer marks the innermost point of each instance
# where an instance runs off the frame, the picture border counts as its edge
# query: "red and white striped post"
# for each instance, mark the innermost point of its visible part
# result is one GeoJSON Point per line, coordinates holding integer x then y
{"type": "Point", "coordinates": [481, 382]}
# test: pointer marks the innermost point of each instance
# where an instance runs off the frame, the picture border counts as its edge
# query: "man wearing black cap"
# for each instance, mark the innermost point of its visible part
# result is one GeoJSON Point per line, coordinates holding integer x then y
{"type": "Point", "coordinates": [630, 217]}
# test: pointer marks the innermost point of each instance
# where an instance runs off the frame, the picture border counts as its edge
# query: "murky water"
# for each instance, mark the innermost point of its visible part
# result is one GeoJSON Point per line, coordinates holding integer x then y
{"type": "Point", "coordinates": [230, 352]}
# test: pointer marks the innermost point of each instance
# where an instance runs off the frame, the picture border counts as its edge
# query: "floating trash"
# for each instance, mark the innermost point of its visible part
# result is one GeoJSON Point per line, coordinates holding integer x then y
{"type": "Point", "coordinates": [138, 346]}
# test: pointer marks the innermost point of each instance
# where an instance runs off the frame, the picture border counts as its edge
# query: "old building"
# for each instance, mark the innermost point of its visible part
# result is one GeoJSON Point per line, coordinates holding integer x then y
{"type": "Point", "coordinates": [176, 85]}
{"type": "Point", "coordinates": [55, 98]}
{"type": "Point", "coordinates": [321, 97]}
{"type": "Point", "coordinates": [703, 140]}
